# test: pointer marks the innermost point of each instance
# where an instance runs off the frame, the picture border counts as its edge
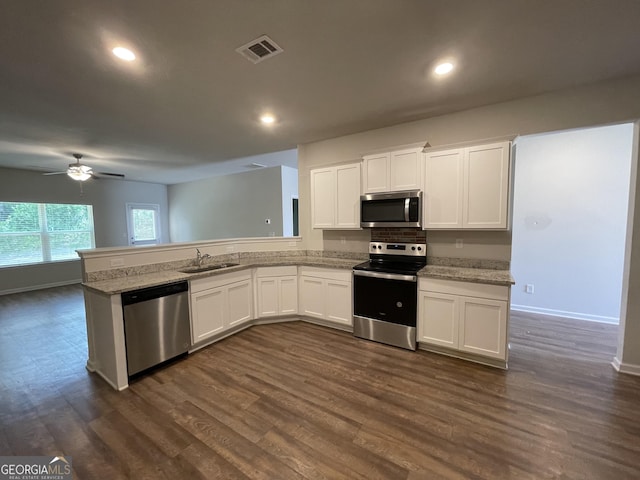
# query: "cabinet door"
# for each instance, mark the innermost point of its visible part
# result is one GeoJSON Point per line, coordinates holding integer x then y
{"type": "Point", "coordinates": [323, 197]}
{"type": "Point", "coordinates": [483, 327]}
{"type": "Point", "coordinates": [312, 301]}
{"type": "Point", "coordinates": [267, 296]}
{"type": "Point", "coordinates": [443, 187]}
{"type": "Point", "coordinates": [207, 313]}
{"type": "Point", "coordinates": [405, 170]}
{"type": "Point", "coordinates": [239, 301]}
{"type": "Point", "coordinates": [288, 295]}
{"type": "Point", "coordinates": [348, 196]}
{"type": "Point", "coordinates": [339, 303]}
{"type": "Point", "coordinates": [486, 180]}
{"type": "Point", "coordinates": [438, 319]}
{"type": "Point", "coordinates": [376, 173]}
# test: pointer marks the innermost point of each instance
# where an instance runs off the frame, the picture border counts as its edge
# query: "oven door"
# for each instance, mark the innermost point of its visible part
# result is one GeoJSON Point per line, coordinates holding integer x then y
{"type": "Point", "coordinates": [387, 297]}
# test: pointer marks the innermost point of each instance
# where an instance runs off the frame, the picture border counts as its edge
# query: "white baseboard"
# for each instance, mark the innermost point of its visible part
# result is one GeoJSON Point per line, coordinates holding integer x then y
{"type": "Point", "coordinates": [562, 313]}
{"type": "Point", "coordinates": [627, 368]}
{"type": "Point", "coordinates": [31, 288]}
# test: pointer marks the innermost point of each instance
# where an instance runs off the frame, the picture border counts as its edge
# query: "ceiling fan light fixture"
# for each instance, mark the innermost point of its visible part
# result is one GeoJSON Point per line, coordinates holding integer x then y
{"type": "Point", "coordinates": [79, 172]}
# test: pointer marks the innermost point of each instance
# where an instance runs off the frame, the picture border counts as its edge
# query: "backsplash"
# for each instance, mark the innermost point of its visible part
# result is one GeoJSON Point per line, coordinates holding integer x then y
{"type": "Point", "coordinates": [405, 235]}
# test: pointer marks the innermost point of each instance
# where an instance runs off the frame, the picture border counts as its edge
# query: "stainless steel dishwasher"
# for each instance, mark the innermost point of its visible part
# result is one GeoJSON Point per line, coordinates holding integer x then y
{"type": "Point", "coordinates": [156, 325]}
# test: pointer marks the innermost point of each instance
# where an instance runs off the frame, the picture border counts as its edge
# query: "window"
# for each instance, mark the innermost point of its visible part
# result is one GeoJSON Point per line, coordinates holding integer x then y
{"type": "Point", "coordinates": [43, 232]}
{"type": "Point", "coordinates": [143, 224]}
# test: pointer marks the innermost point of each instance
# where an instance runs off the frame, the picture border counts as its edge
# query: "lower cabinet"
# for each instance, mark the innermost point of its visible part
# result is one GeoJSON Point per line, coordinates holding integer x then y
{"type": "Point", "coordinates": [276, 291]}
{"type": "Point", "coordinates": [465, 317]}
{"type": "Point", "coordinates": [219, 303]}
{"type": "Point", "coordinates": [326, 294]}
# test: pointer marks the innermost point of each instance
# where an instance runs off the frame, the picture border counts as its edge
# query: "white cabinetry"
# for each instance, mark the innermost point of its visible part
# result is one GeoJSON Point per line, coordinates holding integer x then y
{"type": "Point", "coordinates": [219, 303]}
{"type": "Point", "coordinates": [465, 317]}
{"type": "Point", "coordinates": [467, 188]}
{"type": "Point", "coordinates": [335, 197]}
{"type": "Point", "coordinates": [277, 291]}
{"type": "Point", "coordinates": [326, 294]}
{"type": "Point", "coordinates": [393, 171]}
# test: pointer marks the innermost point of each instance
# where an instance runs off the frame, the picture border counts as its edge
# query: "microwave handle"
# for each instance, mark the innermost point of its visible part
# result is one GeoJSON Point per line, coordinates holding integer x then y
{"type": "Point", "coordinates": [406, 209]}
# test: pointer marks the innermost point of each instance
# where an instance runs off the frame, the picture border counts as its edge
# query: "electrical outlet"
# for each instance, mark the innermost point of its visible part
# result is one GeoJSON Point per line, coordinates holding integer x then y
{"type": "Point", "coordinates": [459, 243]}
{"type": "Point", "coordinates": [231, 248]}
{"type": "Point", "coordinates": [528, 288]}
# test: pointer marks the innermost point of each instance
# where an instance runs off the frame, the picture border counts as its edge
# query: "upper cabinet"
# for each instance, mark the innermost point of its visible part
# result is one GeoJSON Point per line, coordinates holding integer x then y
{"type": "Point", "coordinates": [393, 171]}
{"type": "Point", "coordinates": [468, 188]}
{"type": "Point", "coordinates": [335, 197]}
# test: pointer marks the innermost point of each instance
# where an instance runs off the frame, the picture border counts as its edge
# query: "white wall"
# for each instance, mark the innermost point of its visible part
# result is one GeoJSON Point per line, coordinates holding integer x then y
{"type": "Point", "coordinates": [109, 199]}
{"type": "Point", "coordinates": [289, 192]}
{"type": "Point", "coordinates": [228, 206]}
{"type": "Point", "coordinates": [569, 221]}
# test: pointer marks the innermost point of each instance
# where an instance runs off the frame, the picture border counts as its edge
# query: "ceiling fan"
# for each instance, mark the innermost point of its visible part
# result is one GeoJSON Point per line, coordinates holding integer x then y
{"type": "Point", "coordinates": [81, 173]}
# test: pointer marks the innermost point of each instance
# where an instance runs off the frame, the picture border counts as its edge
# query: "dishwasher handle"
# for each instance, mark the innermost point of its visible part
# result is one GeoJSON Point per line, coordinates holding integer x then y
{"type": "Point", "coordinates": [150, 293]}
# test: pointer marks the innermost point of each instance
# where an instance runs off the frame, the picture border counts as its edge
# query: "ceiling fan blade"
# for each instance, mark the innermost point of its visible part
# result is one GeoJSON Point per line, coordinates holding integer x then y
{"type": "Point", "coordinates": [54, 173]}
{"type": "Point", "coordinates": [107, 175]}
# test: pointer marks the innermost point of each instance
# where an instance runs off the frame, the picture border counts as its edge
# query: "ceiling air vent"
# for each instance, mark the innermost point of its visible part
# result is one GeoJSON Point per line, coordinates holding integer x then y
{"type": "Point", "coordinates": [259, 49]}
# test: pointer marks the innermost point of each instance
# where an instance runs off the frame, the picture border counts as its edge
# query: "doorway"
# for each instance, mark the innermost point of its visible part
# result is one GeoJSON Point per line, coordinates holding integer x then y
{"type": "Point", "coordinates": [143, 224]}
{"type": "Point", "coordinates": [571, 195]}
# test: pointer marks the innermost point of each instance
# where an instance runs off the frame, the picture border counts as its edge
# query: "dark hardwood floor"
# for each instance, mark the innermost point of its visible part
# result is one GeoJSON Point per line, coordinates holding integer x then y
{"type": "Point", "coordinates": [296, 400]}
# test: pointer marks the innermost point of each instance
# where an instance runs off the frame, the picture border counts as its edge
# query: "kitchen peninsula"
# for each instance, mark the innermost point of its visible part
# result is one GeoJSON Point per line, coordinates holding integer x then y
{"type": "Point", "coordinates": [279, 281]}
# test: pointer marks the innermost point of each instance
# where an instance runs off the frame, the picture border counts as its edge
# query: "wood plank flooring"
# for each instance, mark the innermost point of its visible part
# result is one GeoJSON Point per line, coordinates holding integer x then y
{"type": "Point", "coordinates": [299, 401]}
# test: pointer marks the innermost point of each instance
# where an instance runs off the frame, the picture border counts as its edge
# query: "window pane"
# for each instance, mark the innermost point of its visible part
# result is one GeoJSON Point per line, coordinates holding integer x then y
{"type": "Point", "coordinates": [20, 249]}
{"type": "Point", "coordinates": [63, 245]}
{"type": "Point", "coordinates": [67, 218]}
{"type": "Point", "coordinates": [144, 224]}
{"type": "Point", "coordinates": [37, 232]}
{"type": "Point", "coordinates": [19, 217]}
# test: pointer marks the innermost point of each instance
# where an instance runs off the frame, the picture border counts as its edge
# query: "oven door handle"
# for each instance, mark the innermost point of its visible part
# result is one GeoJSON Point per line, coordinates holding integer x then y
{"type": "Point", "coordinates": [386, 276]}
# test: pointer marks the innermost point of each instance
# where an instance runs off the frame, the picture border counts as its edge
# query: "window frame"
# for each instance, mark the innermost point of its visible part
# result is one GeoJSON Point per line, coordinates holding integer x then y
{"type": "Point", "coordinates": [45, 235]}
{"type": "Point", "coordinates": [130, 227]}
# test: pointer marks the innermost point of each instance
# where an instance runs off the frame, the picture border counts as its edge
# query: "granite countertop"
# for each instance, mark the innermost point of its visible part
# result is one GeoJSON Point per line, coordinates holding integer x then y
{"type": "Point", "coordinates": [475, 275]}
{"type": "Point", "coordinates": [133, 282]}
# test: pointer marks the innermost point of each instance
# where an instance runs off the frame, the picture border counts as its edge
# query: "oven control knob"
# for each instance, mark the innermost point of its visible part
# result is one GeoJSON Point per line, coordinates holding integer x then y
{"type": "Point", "coordinates": [413, 248]}
{"type": "Point", "coordinates": [399, 304]}
{"type": "Point", "coordinates": [419, 248]}
{"type": "Point", "coordinates": [379, 247]}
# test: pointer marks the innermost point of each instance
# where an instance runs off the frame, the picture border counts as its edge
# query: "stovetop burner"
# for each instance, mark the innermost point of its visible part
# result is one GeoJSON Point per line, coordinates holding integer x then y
{"type": "Point", "coordinates": [401, 258]}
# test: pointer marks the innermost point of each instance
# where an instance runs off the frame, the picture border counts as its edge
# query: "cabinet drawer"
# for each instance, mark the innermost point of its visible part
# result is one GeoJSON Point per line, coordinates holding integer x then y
{"type": "Point", "coordinates": [215, 281]}
{"type": "Point", "coordinates": [327, 273]}
{"type": "Point", "coordinates": [276, 271]}
{"type": "Point", "coordinates": [467, 289]}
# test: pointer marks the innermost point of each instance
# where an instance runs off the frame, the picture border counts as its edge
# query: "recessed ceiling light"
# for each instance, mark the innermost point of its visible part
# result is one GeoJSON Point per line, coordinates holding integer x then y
{"type": "Point", "coordinates": [124, 54]}
{"type": "Point", "coordinates": [443, 68]}
{"type": "Point", "coordinates": [267, 119]}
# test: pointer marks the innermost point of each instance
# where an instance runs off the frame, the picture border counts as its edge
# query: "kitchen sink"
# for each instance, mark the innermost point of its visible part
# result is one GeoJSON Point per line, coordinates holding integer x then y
{"type": "Point", "coordinates": [207, 268]}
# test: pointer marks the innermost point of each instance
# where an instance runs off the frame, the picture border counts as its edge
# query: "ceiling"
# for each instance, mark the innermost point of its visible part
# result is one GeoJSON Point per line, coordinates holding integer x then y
{"type": "Point", "coordinates": [190, 104]}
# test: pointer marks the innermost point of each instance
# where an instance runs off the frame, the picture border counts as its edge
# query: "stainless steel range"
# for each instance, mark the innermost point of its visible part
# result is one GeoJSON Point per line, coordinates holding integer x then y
{"type": "Point", "coordinates": [385, 293]}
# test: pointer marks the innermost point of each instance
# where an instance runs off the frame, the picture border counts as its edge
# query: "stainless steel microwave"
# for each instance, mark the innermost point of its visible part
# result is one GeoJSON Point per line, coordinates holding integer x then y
{"type": "Point", "coordinates": [394, 209]}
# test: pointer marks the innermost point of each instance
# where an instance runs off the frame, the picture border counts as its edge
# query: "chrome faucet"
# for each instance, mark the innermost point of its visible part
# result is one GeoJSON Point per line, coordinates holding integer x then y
{"type": "Point", "coordinates": [200, 257]}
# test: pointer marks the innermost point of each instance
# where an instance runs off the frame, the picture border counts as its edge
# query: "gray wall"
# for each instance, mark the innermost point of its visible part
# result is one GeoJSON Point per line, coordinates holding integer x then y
{"type": "Point", "coordinates": [569, 221]}
{"type": "Point", "coordinates": [109, 199]}
{"type": "Point", "coordinates": [598, 104]}
{"type": "Point", "coordinates": [229, 206]}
